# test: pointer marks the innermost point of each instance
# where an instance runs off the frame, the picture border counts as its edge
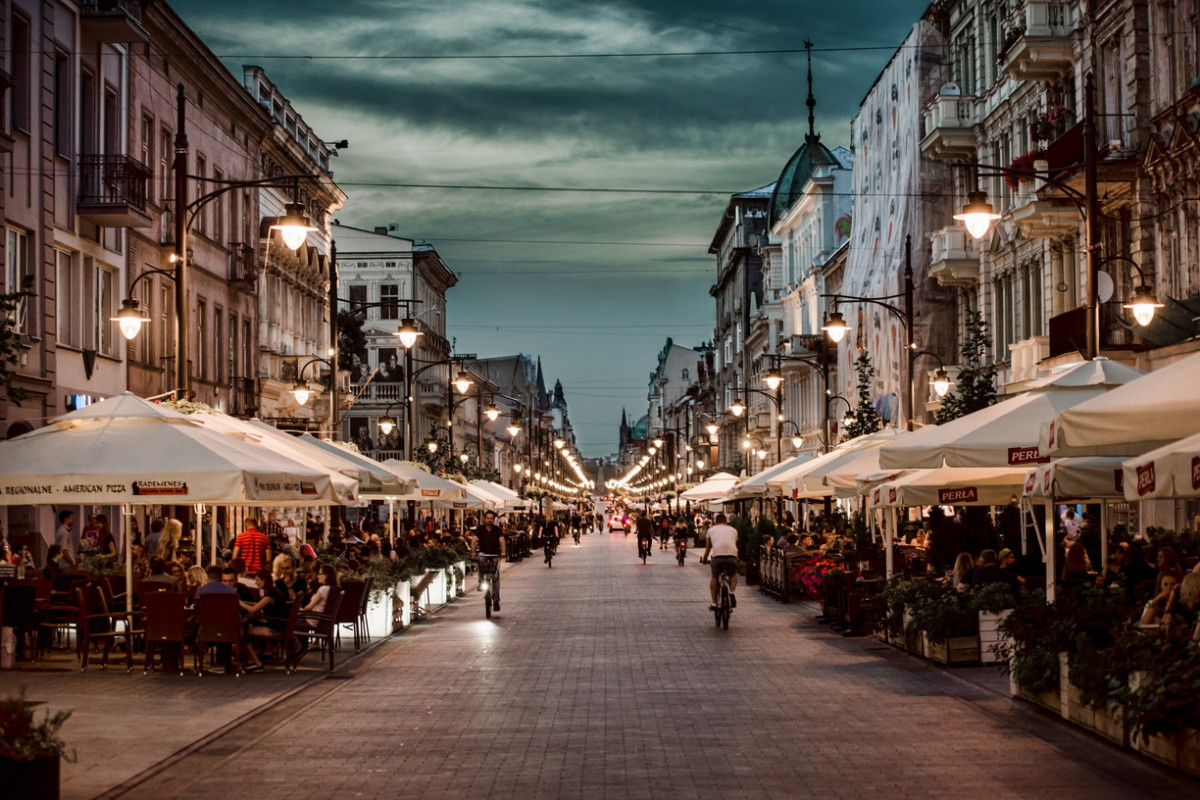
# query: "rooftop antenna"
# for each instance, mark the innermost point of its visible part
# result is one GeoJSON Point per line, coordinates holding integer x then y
{"type": "Point", "coordinates": [811, 102]}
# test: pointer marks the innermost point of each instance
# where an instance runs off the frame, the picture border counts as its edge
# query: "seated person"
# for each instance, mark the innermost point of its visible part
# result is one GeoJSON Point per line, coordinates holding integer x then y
{"type": "Point", "coordinates": [1185, 614]}
{"type": "Point", "coordinates": [1076, 567]}
{"type": "Point", "coordinates": [987, 570]}
{"type": "Point", "coordinates": [54, 562]}
{"type": "Point", "coordinates": [1164, 599]}
{"type": "Point", "coordinates": [1007, 561]}
{"type": "Point", "coordinates": [216, 583]}
{"type": "Point", "coordinates": [158, 577]}
{"type": "Point", "coordinates": [1111, 575]}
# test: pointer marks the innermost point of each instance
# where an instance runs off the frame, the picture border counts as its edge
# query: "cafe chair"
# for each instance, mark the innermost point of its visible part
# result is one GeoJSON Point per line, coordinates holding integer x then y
{"type": "Point", "coordinates": [164, 625]}
{"type": "Point", "coordinates": [349, 611]}
{"type": "Point", "coordinates": [325, 631]}
{"type": "Point", "coordinates": [283, 641]}
{"type": "Point", "coordinates": [95, 624]}
{"type": "Point", "coordinates": [218, 622]}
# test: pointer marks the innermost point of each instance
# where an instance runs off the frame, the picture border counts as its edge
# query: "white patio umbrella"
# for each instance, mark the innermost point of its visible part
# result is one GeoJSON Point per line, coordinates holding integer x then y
{"type": "Point", "coordinates": [836, 475]}
{"type": "Point", "coordinates": [383, 480]}
{"type": "Point", "coordinates": [714, 487]}
{"type": "Point", "coordinates": [757, 485]}
{"type": "Point", "coordinates": [475, 498]}
{"type": "Point", "coordinates": [1006, 434]}
{"type": "Point", "coordinates": [791, 481]}
{"type": "Point", "coordinates": [951, 486]}
{"type": "Point", "coordinates": [505, 497]}
{"type": "Point", "coordinates": [1172, 471]}
{"type": "Point", "coordinates": [1155, 410]}
{"type": "Point", "coordinates": [1090, 478]}
{"type": "Point", "coordinates": [128, 451]}
{"type": "Point", "coordinates": [428, 486]}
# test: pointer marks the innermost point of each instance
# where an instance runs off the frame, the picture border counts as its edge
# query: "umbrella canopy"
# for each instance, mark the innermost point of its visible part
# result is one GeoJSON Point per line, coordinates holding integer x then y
{"type": "Point", "coordinates": [756, 485]}
{"type": "Point", "coordinates": [950, 486]}
{"type": "Point", "coordinates": [505, 497]}
{"type": "Point", "coordinates": [1006, 434]}
{"type": "Point", "coordinates": [838, 472]}
{"type": "Point", "coordinates": [475, 498]}
{"type": "Point", "coordinates": [792, 479]}
{"type": "Point", "coordinates": [1151, 412]}
{"type": "Point", "coordinates": [344, 478]}
{"type": "Point", "coordinates": [1095, 478]}
{"type": "Point", "coordinates": [715, 487]}
{"type": "Point", "coordinates": [428, 485]}
{"type": "Point", "coordinates": [372, 476]}
{"type": "Point", "coordinates": [129, 450]}
{"type": "Point", "coordinates": [1171, 471]}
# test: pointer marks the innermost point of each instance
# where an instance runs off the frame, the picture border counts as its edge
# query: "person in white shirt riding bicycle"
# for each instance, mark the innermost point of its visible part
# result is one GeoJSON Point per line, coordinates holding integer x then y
{"type": "Point", "coordinates": [721, 550]}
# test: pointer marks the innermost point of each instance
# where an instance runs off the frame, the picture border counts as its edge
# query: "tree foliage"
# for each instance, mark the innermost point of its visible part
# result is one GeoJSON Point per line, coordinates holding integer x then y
{"type": "Point", "coordinates": [866, 419]}
{"type": "Point", "coordinates": [975, 387]}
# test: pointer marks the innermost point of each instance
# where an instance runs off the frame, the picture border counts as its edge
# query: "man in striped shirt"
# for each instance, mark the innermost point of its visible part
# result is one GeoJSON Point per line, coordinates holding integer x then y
{"type": "Point", "coordinates": [253, 546]}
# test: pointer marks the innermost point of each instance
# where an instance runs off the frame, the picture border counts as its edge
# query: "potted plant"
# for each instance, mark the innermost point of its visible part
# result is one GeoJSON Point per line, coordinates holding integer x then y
{"type": "Point", "coordinates": [30, 751]}
{"type": "Point", "coordinates": [1023, 163]}
{"type": "Point", "coordinates": [949, 625]}
{"type": "Point", "coordinates": [992, 602]}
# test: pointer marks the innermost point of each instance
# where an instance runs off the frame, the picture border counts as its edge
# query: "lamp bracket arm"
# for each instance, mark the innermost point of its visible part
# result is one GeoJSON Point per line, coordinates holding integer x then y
{"type": "Point", "coordinates": [147, 273]}
{"type": "Point", "coordinates": [876, 301]}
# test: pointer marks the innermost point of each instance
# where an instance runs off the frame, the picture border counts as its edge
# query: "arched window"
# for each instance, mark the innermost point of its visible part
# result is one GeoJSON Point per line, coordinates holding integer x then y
{"type": "Point", "coordinates": [684, 375]}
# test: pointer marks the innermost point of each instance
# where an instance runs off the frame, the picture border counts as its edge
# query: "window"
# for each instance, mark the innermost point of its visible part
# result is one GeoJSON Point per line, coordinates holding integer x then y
{"type": "Point", "coordinates": [218, 205]}
{"type": "Point", "coordinates": [112, 122]}
{"type": "Point", "coordinates": [389, 296]}
{"type": "Point", "coordinates": [17, 269]}
{"type": "Point", "coordinates": [140, 349]}
{"type": "Point", "coordinates": [218, 337]}
{"type": "Point", "coordinates": [105, 294]}
{"type": "Point", "coordinates": [63, 131]}
{"type": "Point", "coordinates": [201, 338]}
{"type": "Point", "coordinates": [358, 296]}
{"type": "Point", "coordinates": [231, 348]}
{"type": "Point", "coordinates": [68, 289]}
{"type": "Point", "coordinates": [22, 73]}
{"type": "Point", "coordinates": [148, 147]}
{"type": "Point", "coordinates": [247, 350]}
{"type": "Point", "coordinates": [166, 148]}
{"type": "Point", "coordinates": [684, 375]}
{"type": "Point", "coordinates": [166, 327]}
{"type": "Point", "coordinates": [202, 212]}
{"type": "Point", "coordinates": [728, 352]}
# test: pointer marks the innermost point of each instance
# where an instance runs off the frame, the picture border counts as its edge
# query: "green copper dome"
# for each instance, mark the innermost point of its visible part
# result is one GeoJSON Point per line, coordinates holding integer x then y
{"type": "Point", "coordinates": [799, 169]}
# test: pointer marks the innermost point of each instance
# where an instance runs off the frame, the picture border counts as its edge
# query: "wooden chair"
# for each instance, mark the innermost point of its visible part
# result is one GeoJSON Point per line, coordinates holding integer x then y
{"type": "Point", "coordinates": [94, 624]}
{"type": "Point", "coordinates": [218, 622]}
{"type": "Point", "coordinates": [325, 631]}
{"type": "Point", "coordinates": [362, 607]}
{"type": "Point", "coordinates": [285, 639]}
{"type": "Point", "coordinates": [164, 625]}
{"type": "Point", "coordinates": [349, 611]}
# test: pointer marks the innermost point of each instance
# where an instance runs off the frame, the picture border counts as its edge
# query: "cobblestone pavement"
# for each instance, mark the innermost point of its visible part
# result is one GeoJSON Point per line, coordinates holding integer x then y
{"type": "Point", "coordinates": [605, 678]}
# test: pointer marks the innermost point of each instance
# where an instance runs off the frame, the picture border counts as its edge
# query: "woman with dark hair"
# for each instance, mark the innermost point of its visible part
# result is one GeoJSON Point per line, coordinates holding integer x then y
{"type": "Point", "coordinates": [1075, 565]}
{"type": "Point", "coordinates": [326, 579]}
{"type": "Point", "coordinates": [106, 545]}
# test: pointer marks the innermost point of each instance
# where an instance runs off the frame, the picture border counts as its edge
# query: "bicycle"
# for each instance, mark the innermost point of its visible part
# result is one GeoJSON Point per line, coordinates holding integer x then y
{"type": "Point", "coordinates": [724, 606]}
{"type": "Point", "coordinates": [681, 551]}
{"type": "Point", "coordinates": [549, 548]}
{"type": "Point", "coordinates": [576, 535]}
{"type": "Point", "coordinates": [488, 571]}
{"type": "Point", "coordinates": [644, 546]}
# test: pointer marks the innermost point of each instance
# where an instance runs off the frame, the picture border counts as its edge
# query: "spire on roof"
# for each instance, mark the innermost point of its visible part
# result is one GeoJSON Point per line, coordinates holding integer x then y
{"type": "Point", "coordinates": [811, 102]}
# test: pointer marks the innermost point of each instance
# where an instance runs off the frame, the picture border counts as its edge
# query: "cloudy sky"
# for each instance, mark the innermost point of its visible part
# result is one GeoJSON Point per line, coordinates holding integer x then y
{"type": "Point", "coordinates": [593, 282]}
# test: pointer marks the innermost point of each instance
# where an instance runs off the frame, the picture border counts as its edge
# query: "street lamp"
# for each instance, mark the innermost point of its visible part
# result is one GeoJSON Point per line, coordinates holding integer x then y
{"type": "Point", "coordinates": [773, 379]}
{"type": "Point", "coordinates": [294, 227]}
{"type": "Point", "coordinates": [978, 215]}
{"type": "Point", "coordinates": [737, 407]}
{"type": "Point", "coordinates": [462, 382]}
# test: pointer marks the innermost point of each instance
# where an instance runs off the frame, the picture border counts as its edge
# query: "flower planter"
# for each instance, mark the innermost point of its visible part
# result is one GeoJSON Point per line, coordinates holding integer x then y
{"type": "Point", "coordinates": [36, 778]}
{"type": "Point", "coordinates": [989, 636]}
{"type": "Point", "coordinates": [914, 640]}
{"type": "Point", "coordinates": [1110, 724]}
{"type": "Point", "coordinates": [1189, 752]}
{"type": "Point", "coordinates": [954, 650]}
{"type": "Point", "coordinates": [436, 593]}
{"type": "Point", "coordinates": [460, 588]}
{"type": "Point", "coordinates": [1163, 749]}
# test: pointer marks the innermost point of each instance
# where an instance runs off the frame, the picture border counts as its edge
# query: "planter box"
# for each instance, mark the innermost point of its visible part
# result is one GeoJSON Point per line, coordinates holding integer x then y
{"type": "Point", "coordinates": [1110, 723]}
{"type": "Point", "coordinates": [460, 588]}
{"type": "Point", "coordinates": [955, 650]}
{"type": "Point", "coordinates": [989, 635]}
{"type": "Point", "coordinates": [1163, 749]}
{"type": "Point", "coordinates": [1189, 752]}
{"type": "Point", "coordinates": [914, 641]}
{"type": "Point", "coordinates": [37, 778]}
{"type": "Point", "coordinates": [436, 594]}
{"type": "Point", "coordinates": [1051, 701]}
{"type": "Point", "coordinates": [388, 610]}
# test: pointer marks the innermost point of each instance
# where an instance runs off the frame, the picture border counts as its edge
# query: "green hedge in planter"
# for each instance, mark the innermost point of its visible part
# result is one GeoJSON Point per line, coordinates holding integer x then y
{"type": "Point", "coordinates": [941, 612]}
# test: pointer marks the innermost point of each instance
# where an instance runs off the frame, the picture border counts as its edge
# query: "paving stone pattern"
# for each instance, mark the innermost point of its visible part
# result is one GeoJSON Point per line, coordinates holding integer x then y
{"type": "Point", "coordinates": [604, 678]}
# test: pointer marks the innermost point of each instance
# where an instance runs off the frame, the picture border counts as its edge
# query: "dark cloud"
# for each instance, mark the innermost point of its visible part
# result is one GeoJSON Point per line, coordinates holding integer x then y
{"type": "Point", "coordinates": [596, 314]}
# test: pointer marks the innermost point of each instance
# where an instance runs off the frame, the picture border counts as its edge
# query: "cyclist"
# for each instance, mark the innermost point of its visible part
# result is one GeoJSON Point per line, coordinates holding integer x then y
{"type": "Point", "coordinates": [680, 533]}
{"type": "Point", "coordinates": [664, 531]}
{"type": "Point", "coordinates": [722, 545]}
{"type": "Point", "coordinates": [645, 533]}
{"type": "Point", "coordinates": [490, 543]}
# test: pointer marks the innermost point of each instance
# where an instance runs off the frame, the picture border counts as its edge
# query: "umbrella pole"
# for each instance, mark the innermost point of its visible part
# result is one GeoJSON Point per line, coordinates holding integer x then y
{"type": "Point", "coordinates": [1103, 535]}
{"type": "Point", "coordinates": [127, 512]}
{"type": "Point", "coordinates": [889, 535]}
{"type": "Point", "coordinates": [1051, 554]}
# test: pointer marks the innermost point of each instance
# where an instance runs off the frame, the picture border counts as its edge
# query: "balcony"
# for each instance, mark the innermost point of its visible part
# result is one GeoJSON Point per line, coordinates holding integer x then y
{"type": "Point", "coordinates": [1040, 46]}
{"type": "Point", "coordinates": [1039, 216]}
{"type": "Point", "coordinates": [243, 265]}
{"type": "Point", "coordinates": [950, 128]}
{"type": "Point", "coordinates": [112, 191]}
{"type": "Point", "coordinates": [113, 21]}
{"type": "Point", "coordinates": [953, 259]}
